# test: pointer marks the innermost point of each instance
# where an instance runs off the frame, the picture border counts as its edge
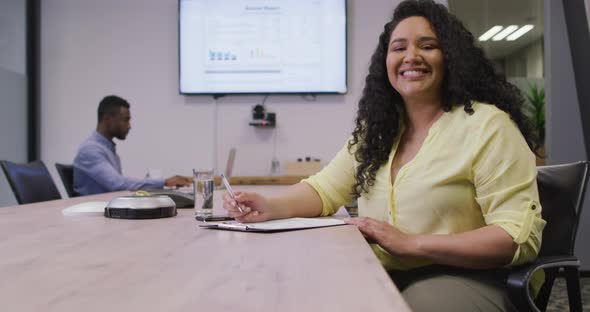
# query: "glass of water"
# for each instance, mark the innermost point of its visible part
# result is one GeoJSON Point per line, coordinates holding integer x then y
{"type": "Point", "coordinates": [203, 190]}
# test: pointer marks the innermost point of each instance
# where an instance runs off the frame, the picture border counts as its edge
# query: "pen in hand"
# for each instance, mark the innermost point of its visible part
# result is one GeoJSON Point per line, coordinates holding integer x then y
{"type": "Point", "coordinates": [230, 190]}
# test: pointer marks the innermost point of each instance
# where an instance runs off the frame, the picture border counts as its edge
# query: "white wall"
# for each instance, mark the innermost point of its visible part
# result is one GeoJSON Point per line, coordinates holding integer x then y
{"type": "Point", "coordinates": [526, 62]}
{"type": "Point", "coordinates": [93, 48]}
{"type": "Point", "coordinates": [534, 60]}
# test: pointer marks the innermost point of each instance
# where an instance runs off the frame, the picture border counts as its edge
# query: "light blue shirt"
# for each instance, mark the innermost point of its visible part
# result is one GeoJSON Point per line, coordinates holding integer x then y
{"type": "Point", "coordinates": [97, 169]}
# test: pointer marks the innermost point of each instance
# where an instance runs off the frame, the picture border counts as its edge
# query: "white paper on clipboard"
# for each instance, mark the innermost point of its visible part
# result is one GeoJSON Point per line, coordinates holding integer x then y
{"type": "Point", "coordinates": [276, 225]}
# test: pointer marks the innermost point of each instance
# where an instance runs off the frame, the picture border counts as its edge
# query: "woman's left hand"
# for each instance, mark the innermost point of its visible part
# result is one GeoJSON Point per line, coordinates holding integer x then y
{"type": "Point", "coordinates": [387, 236]}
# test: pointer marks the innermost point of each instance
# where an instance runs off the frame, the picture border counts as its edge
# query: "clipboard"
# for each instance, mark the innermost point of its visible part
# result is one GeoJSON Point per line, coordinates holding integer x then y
{"type": "Point", "coordinates": [275, 225]}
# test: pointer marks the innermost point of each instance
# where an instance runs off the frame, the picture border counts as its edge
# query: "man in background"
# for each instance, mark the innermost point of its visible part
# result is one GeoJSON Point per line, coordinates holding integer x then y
{"type": "Point", "coordinates": [97, 167]}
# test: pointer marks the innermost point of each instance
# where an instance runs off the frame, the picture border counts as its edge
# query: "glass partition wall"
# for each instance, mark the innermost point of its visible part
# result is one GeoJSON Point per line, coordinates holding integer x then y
{"type": "Point", "coordinates": [511, 34]}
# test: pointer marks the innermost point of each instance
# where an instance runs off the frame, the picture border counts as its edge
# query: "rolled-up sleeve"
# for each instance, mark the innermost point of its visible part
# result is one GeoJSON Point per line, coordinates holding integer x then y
{"type": "Point", "coordinates": [334, 182]}
{"type": "Point", "coordinates": [504, 175]}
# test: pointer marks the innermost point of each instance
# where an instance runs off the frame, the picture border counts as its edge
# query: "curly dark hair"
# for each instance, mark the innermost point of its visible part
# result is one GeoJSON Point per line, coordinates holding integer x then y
{"type": "Point", "coordinates": [472, 78]}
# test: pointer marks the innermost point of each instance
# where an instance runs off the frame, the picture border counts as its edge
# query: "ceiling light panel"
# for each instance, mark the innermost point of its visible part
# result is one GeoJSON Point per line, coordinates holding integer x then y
{"type": "Point", "coordinates": [490, 33]}
{"type": "Point", "coordinates": [521, 31]}
{"type": "Point", "coordinates": [504, 33]}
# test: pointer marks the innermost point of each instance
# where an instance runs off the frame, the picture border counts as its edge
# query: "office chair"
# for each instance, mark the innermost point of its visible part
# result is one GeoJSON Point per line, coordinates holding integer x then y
{"type": "Point", "coordinates": [30, 182]}
{"type": "Point", "coordinates": [561, 190]}
{"type": "Point", "coordinates": [66, 173]}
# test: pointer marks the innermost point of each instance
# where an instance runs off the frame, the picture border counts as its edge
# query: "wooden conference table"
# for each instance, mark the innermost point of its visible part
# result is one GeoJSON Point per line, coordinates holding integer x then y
{"type": "Point", "coordinates": [52, 262]}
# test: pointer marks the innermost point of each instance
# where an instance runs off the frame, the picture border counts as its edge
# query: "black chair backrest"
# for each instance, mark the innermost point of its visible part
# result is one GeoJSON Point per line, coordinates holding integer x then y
{"type": "Point", "coordinates": [30, 182]}
{"type": "Point", "coordinates": [66, 173]}
{"type": "Point", "coordinates": [561, 189]}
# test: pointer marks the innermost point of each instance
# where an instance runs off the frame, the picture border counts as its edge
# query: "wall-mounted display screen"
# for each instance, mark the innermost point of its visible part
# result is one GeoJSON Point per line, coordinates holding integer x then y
{"type": "Point", "coordinates": [262, 46]}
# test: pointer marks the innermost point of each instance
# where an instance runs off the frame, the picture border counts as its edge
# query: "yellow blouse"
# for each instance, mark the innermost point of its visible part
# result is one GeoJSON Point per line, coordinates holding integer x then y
{"type": "Point", "coordinates": [471, 171]}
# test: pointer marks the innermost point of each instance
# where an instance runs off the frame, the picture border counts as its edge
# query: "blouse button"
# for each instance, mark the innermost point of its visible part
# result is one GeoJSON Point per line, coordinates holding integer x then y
{"type": "Point", "coordinates": [534, 207]}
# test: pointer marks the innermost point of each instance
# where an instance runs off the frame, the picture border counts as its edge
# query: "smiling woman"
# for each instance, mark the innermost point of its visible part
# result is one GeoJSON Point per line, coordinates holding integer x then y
{"type": "Point", "coordinates": [415, 60]}
{"type": "Point", "coordinates": [440, 163]}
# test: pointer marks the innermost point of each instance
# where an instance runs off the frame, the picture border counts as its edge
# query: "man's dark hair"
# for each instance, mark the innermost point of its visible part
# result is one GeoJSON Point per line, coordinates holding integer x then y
{"type": "Point", "coordinates": [110, 105]}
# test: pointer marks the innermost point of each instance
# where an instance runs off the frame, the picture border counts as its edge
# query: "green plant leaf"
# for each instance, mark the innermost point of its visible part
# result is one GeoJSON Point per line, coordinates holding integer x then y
{"type": "Point", "coordinates": [535, 110]}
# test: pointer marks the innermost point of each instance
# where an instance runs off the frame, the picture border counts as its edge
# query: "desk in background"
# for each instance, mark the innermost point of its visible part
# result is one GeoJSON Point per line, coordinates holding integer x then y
{"type": "Point", "coordinates": [50, 262]}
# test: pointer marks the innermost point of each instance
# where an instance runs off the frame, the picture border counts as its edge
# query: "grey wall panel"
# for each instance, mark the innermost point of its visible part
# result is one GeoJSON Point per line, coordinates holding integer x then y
{"type": "Point", "coordinates": [579, 43]}
{"type": "Point", "coordinates": [13, 35]}
{"type": "Point", "coordinates": [579, 38]}
{"type": "Point", "coordinates": [565, 138]}
{"type": "Point", "coordinates": [13, 119]}
{"type": "Point", "coordinates": [6, 195]}
{"type": "Point", "coordinates": [13, 127]}
{"type": "Point", "coordinates": [13, 88]}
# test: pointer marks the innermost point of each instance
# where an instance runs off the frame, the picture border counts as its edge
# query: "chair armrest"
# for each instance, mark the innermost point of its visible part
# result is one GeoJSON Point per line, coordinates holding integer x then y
{"type": "Point", "coordinates": [519, 277]}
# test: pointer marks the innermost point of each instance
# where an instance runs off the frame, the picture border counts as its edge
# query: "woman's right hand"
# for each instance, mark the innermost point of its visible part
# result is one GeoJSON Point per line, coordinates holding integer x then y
{"type": "Point", "coordinates": [255, 207]}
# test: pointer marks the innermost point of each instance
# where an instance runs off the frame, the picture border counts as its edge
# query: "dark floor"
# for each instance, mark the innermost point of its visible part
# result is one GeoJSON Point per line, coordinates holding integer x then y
{"type": "Point", "coordinates": [558, 300]}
